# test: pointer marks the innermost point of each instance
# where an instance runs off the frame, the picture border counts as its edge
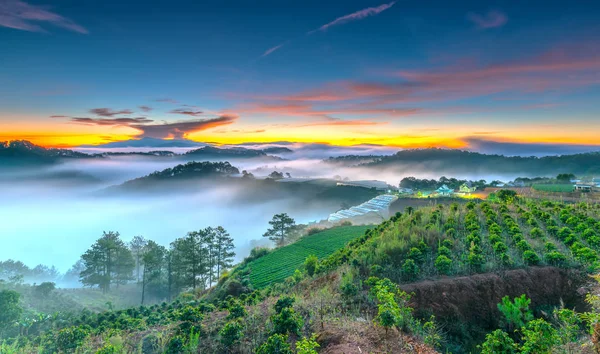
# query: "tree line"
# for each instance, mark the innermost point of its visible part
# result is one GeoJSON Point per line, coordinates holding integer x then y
{"type": "Point", "coordinates": [190, 262]}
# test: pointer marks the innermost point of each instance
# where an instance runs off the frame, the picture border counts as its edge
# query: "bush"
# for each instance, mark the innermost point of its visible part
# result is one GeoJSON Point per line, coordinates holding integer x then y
{"type": "Point", "coordinates": [516, 313]}
{"type": "Point", "coordinates": [68, 339]}
{"type": "Point", "coordinates": [536, 233]}
{"type": "Point", "coordinates": [444, 251]}
{"type": "Point", "coordinates": [231, 333]}
{"type": "Point", "coordinates": [416, 255]}
{"type": "Point", "coordinates": [498, 342]}
{"type": "Point", "coordinates": [539, 337]}
{"type": "Point", "coordinates": [287, 321]}
{"type": "Point", "coordinates": [410, 269]}
{"type": "Point", "coordinates": [443, 264]}
{"type": "Point", "coordinates": [555, 258]}
{"type": "Point", "coordinates": [531, 258]}
{"type": "Point", "coordinates": [307, 345]}
{"type": "Point", "coordinates": [310, 264]}
{"type": "Point", "coordinates": [276, 344]}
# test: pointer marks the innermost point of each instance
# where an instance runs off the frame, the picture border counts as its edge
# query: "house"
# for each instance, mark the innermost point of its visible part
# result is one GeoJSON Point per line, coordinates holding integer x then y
{"type": "Point", "coordinates": [584, 187]}
{"type": "Point", "coordinates": [444, 190]}
{"type": "Point", "coordinates": [405, 191]}
{"type": "Point", "coordinates": [467, 187]}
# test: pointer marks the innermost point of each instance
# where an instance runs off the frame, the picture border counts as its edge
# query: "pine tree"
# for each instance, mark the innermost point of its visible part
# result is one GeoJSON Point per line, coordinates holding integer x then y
{"type": "Point", "coordinates": [136, 246]}
{"type": "Point", "coordinates": [108, 261]}
{"type": "Point", "coordinates": [153, 260]}
{"type": "Point", "coordinates": [281, 226]}
{"type": "Point", "coordinates": [223, 250]}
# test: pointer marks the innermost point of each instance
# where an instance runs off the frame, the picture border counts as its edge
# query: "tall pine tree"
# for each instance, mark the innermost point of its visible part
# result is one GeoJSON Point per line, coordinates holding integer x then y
{"type": "Point", "coordinates": [109, 261]}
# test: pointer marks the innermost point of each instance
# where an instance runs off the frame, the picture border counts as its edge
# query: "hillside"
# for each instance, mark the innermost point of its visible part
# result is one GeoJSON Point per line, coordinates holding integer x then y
{"type": "Point", "coordinates": [426, 278]}
{"type": "Point", "coordinates": [457, 162]}
{"type": "Point", "coordinates": [18, 153]}
{"type": "Point", "coordinates": [262, 273]}
{"type": "Point", "coordinates": [210, 152]}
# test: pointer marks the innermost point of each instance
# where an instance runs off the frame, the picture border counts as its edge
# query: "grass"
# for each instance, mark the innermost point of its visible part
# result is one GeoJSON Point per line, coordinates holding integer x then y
{"type": "Point", "coordinates": [281, 263]}
{"type": "Point", "coordinates": [553, 188]}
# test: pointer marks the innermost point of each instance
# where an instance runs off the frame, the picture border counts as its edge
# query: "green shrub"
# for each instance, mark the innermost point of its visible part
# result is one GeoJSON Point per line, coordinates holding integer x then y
{"type": "Point", "coordinates": [68, 339]}
{"type": "Point", "coordinates": [231, 333]}
{"type": "Point", "coordinates": [443, 264]}
{"type": "Point", "coordinates": [310, 264]}
{"type": "Point", "coordinates": [498, 342]}
{"type": "Point", "coordinates": [410, 269]}
{"type": "Point", "coordinates": [287, 321]}
{"type": "Point", "coordinates": [516, 313]}
{"type": "Point", "coordinates": [307, 345]}
{"type": "Point", "coordinates": [444, 251]}
{"type": "Point", "coordinates": [539, 337]}
{"type": "Point", "coordinates": [276, 344]}
{"type": "Point", "coordinates": [531, 258]}
{"type": "Point", "coordinates": [555, 258]}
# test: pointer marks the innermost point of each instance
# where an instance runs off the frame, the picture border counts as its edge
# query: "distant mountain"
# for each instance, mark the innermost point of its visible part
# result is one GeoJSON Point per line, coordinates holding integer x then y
{"type": "Point", "coordinates": [157, 153]}
{"type": "Point", "coordinates": [277, 150]}
{"type": "Point", "coordinates": [185, 172]}
{"type": "Point", "coordinates": [24, 153]}
{"type": "Point", "coordinates": [452, 162]}
{"type": "Point", "coordinates": [226, 153]}
{"type": "Point", "coordinates": [149, 143]}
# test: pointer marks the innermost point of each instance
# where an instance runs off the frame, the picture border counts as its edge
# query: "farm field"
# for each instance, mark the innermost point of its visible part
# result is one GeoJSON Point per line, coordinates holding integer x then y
{"type": "Point", "coordinates": [553, 188]}
{"type": "Point", "coordinates": [282, 263]}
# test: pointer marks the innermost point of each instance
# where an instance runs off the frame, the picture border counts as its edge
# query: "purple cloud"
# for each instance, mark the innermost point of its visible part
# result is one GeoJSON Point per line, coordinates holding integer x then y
{"type": "Point", "coordinates": [21, 15]}
{"type": "Point", "coordinates": [358, 15]}
{"type": "Point", "coordinates": [145, 108]}
{"type": "Point", "coordinates": [107, 112]}
{"type": "Point", "coordinates": [111, 121]}
{"type": "Point", "coordinates": [492, 19]}
{"type": "Point", "coordinates": [187, 112]}
{"type": "Point", "coordinates": [166, 100]}
{"type": "Point", "coordinates": [178, 130]}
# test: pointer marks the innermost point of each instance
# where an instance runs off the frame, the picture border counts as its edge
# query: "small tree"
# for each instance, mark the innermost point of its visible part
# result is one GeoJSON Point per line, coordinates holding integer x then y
{"type": "Point", "coordinates": [231, 333]}
{"type": "Point", "coordinates": [498, 342]}
{"type": "Point", "coordinates": [307, 345]}
{"type": "Point", "coordinates": [517, 313]}
{"type": "Point", "coordinates": [443, 264]}
{"type": "Point", "coordinates": [10, 310]}
{"type": "Point", "coordinates": [276, 344]}
{"type": "Point", "coordinates": [539, 337]}
{"type": "Point", "coordinates": [281, 227]}
{"type": "Point", "coordinates": [311, 264]}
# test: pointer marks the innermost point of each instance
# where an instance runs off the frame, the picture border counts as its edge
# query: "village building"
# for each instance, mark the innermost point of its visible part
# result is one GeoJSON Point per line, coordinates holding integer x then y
{"type": "Point", "coordinates": [444, 190]}
{"type": "Point", "coordinates": [467, 188]}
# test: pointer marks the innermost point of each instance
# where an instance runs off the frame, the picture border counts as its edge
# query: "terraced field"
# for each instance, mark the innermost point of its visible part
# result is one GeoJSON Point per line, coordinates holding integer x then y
{"type": "Point", "coordinates": [554, 188]}
{"type": "Point", "coordinates": [282, 263]}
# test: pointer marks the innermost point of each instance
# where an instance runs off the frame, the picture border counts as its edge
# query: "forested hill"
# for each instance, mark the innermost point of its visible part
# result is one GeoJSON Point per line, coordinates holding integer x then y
{"type": "Point", "coordinates": [211, 152]}
{"type": "Point", "coordinates": [188, 171]}
{"type": "Point", "coordinates": [447, 161]}
{"type": "Point", "coordinates": [21, 152]}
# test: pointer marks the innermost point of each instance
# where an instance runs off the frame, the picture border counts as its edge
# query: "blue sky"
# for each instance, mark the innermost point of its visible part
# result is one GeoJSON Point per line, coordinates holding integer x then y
{"type": "Point", "coordinates": [526, 72]}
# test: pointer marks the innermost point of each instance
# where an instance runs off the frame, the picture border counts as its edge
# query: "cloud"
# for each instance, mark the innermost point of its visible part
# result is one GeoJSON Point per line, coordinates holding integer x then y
{"type": "Point", "coordinates": [59, 116]}
{"type": "Point", "coordinates": [492, 19]}
{"type": "Point", "coordinates": [107, 112]}
{"type": "Point", "coordinates": [561, 68]}
{"type": "Point", "coordinates": [23, 16]}
{"type": "Point", "coordinates": [271, 50]}
{"type": "Point", "coordinates": [307, 110]}
{"type": "Point", "coordinates": [166, 100]}
{"type": "Point", "coordinates": [358, 15]}
{"type": "Point", "coordinates": [111, 121]}
{"type": "Point", "coordinates": [512, 148]}
{"type": "Point", "coordinates": [187, 112]}
{"type": "Point", "coordinates": [339, 122]}
{"type": "Point", "coordinates": [145, 108]}
{"type": "Point", "coordinates": [179, 130]}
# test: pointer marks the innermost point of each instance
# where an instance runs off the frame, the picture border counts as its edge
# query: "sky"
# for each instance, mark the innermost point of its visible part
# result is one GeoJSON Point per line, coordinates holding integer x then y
{"type": "Point", "coordinates": [455, 74]}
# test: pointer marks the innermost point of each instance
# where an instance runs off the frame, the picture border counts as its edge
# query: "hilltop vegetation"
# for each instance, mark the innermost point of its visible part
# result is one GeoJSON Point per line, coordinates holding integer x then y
{"type": "Point", "coordinates": [452, 162]}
